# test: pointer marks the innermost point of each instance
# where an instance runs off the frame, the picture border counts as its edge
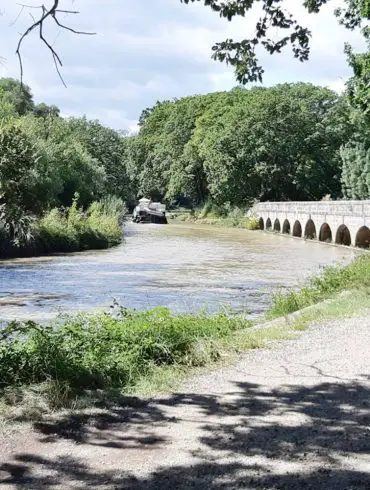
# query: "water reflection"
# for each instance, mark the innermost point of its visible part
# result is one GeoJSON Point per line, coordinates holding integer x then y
{"type": "Point", "coordinates": [184, 267]}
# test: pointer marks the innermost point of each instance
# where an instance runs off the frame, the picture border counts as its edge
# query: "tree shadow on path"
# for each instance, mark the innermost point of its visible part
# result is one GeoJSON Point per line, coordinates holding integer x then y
{"type": "Point", "coordinates": [294, 437]}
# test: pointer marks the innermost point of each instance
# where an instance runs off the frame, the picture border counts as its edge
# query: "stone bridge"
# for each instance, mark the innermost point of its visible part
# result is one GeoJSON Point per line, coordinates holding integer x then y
{"type": "Point", "coordinates": [341, 222]}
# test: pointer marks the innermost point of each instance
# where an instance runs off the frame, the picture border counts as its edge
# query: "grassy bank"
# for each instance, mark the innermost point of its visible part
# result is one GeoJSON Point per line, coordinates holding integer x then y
{"type": "Point", "coordinates": [210, 214]}
{"type": "Point", "coordinates": [67, 230]}
{"type": "Point", "coordinates": [332, 280]}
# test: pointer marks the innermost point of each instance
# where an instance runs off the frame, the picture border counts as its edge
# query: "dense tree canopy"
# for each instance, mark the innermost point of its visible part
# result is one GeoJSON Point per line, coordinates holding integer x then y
{"type": "Point", "coordinates": [358, 86]}
{"type": "Point", "coordinates": [264, 143]}
{"type": "Point", "coordinates": [288, 142]}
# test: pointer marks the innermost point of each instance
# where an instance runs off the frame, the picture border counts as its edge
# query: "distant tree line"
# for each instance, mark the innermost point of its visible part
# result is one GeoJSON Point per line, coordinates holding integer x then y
{"type": "Point", "coordinates": [288, 142]}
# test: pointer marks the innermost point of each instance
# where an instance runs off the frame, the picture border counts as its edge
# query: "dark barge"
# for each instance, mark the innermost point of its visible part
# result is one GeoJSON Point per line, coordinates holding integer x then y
{"type": "Point", "coordinates": [148, 211]}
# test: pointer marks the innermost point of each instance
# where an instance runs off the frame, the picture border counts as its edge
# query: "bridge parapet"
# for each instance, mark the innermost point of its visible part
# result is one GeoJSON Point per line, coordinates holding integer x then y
{"type": "Point", "coordinates": [341, 222]}
{"type": "Point", "coordinates": [353, 208]}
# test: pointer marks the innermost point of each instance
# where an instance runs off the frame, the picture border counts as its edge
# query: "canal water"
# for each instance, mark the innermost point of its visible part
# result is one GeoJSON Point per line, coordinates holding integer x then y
{"type": "Point", "coordinates": [184, 267]}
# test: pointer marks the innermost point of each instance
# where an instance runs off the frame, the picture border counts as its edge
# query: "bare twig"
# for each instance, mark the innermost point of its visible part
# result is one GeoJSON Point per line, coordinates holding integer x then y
{"type": "Point", "coordinates": [56, 59]}
{"type": "Point", "coordinates": [19, 14]}
{"type": "Point", "coordinates": [73, 30]}
{"type": "Point", "coordinates": [47, 13]}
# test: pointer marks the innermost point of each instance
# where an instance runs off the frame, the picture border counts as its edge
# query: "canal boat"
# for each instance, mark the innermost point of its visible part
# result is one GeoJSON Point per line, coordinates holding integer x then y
{"type": "Point", "coordinates": [148, 211]}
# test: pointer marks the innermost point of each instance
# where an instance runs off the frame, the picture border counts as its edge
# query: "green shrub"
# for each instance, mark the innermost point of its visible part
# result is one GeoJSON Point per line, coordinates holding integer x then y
{"type": "Point", "coordinates": [252, 224]}
{"type": "Point", "coordinates": [102, 351]}
{"type": "Point", "coordinates": [56, 234]}
{"type": "Point", "coordinates": [205, 211]}
{"type": "Point", "coordinates": [71, 230]}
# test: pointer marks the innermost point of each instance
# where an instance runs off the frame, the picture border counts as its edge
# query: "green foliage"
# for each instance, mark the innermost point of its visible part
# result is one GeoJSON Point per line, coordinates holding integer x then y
{"type": "Point", "coordinates": [17, 160]}
{"type": "Point", "coordinates": [43, 110]}
{"type": "Point", "coordinates": [70, 155]}
{"type": "Point", "coordinates": [74, 229]}
{"type": "Point", "coordinates": [7, 111]}
{"type": "Point", "coordinates": [17, 95]}
{"type": "Point", "coordinates": [354, 276]}
{"type": "Point", "coordinates": [220, 215]}
{"type": "Point", "coordinates": [358, 86]}
{"type": "Point", "coordinates": [234, 147]}
{"type": "Point", "coordinates": [65, 166]}
{"type": "Point", "coordinates": [105, 146]}
{"type": "Point", "coordinates": [105, 351]}
{"type": "Point", "coordinates": [252, 224]}
{"type": "Point", "coordinates": [356, 171]}
{"type": "Point", "coordinates": [45, 161]}
{"type": "Point", "coordinates": [66, 230]}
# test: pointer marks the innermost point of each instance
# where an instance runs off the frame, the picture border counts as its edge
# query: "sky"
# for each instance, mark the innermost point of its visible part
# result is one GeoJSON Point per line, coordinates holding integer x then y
{"type": "Point", "coordinates": [149, 50]}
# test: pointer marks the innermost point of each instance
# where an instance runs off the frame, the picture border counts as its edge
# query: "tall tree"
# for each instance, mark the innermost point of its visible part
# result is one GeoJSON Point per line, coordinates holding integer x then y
{"type": "Point", "coordinates": [17, 94]}
{"type": "Point", "coordinates": [104, 145]}
{"type": "Point", "coordinates": [358, 86]}
{"type": "Point", "coordinates": [17, 160]}
{"type": "Point", "coordinates": [43, 110]}
{"type": "Point", "coordinates": [356, 171]}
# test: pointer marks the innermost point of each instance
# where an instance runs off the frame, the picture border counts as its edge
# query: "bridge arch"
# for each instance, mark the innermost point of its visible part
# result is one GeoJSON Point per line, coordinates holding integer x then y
{"type": "Point", "coordinates": [325, 234]}
{"type": "Point", "coordinates": [286, 227]}
{"type": "Point", "coordinates": [277, 226]}
{"type": "Point", "coordinates": [310, 230]}
{"type": "Point", "coordinates": [268, 224]}
{"type": "Point", "coordinates": [297, 229]}
{"type": "Point", "coordinates": [363, 237]}
{"type": "Point", "coordinates": [261, 224]}
{"type": "Point", "coordinates": [343, 236]}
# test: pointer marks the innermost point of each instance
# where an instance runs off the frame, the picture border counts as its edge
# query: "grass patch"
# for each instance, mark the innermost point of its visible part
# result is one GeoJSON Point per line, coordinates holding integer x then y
{"type": "Point", "coordinates": [343, 305]}
{"type": "Point", "coordinates": [211, 214]}
{"type": "Point", "coordinates": [355, 276]}
{"type": "Point", "coordinates": [346, 304]}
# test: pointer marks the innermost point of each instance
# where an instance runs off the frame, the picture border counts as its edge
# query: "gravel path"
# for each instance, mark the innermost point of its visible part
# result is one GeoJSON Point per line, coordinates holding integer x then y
{"type": "Point", "coordinates": [293, 417]}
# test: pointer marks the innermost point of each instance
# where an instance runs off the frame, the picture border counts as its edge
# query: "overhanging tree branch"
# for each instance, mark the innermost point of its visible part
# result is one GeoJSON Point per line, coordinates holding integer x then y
{"type": "Point", "coordinates": [288, 31]}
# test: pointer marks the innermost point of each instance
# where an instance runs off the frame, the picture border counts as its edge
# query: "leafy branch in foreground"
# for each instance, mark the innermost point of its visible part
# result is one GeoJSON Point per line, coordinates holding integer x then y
{"type": "Point", "coordinates": [242, 54]}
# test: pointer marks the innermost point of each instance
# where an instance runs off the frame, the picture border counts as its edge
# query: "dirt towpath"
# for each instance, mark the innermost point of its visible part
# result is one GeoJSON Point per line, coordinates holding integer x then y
{"type": "Point", "coordinates": [293, 417]}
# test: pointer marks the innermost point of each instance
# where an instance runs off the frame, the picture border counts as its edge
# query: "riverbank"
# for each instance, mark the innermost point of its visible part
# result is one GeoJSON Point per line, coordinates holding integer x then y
{"type": "Point", "coordinates": [227, 221]}
{"type": "Point", "coordinates": [44, 368]}
{"type": "Point", "coordinates": [211, 214]}
{"type": "Point", "coordinates": [65, 231]}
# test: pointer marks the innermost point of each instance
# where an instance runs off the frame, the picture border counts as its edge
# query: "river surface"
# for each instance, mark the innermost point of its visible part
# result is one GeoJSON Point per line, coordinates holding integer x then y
{"type": "Point", "coordinates": [184, 267]}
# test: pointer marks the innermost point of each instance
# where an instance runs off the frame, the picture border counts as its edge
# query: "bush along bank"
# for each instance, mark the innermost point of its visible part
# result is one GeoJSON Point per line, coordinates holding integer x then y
{"type": "Point", "coordinates": [104, 351]}
{"type": "Point", "coordinates": [65, 230]}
